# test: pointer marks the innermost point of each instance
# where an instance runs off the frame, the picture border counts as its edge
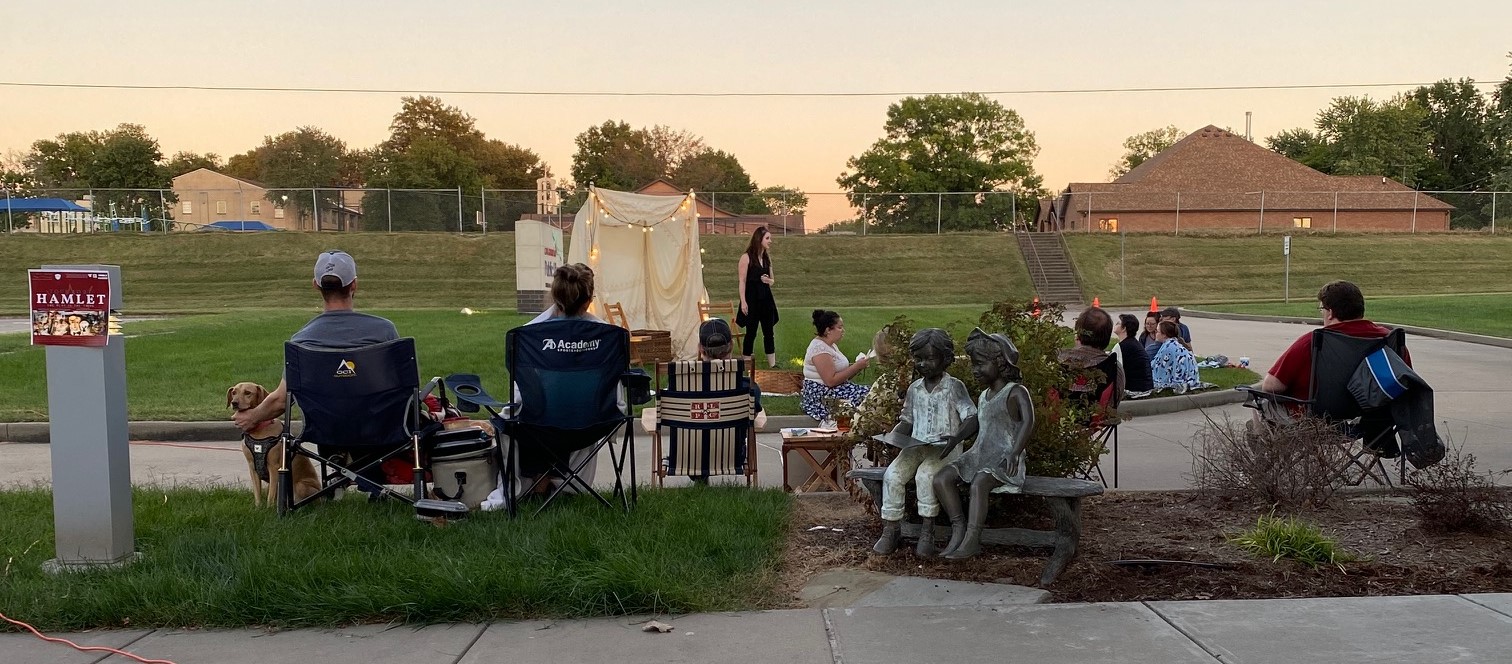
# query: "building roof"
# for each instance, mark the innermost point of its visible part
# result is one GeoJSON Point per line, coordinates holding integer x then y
{"type": "Point", "coordinates": [212, 171]}
{"type": "Point", "coordinates": [665, 187]}
{"type": "Point", "coordinates": [1214, 169]}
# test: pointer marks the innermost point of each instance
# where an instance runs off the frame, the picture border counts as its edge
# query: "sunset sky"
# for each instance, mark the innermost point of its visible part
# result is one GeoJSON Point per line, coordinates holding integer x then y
{"type": "Point", "coordinates": [703, 47]}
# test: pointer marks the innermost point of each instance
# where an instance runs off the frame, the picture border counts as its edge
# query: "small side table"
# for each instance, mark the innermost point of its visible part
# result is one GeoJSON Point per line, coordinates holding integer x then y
{"type": "Point", "coordinates": [827, 474]}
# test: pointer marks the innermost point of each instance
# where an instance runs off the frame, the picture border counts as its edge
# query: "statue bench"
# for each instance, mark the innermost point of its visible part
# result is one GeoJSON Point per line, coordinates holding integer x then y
{"type": "Point", "coordinates": [1063, 493]}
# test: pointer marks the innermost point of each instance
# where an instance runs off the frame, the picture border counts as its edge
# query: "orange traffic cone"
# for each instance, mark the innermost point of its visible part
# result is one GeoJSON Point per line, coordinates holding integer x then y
{"type": "Point", "coordinates": [1095, 302]}
{"type": "Point", "coordinates": [1154, 306]}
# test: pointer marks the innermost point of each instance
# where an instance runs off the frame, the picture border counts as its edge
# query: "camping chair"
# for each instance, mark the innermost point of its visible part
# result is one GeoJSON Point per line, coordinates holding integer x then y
{"type": "Point", "coordinates": [614, 314]}
{"type": "Point", "coordinates": [709, 413]}
{"type": "Point", "coordinates": [568, 374]}
{"type": "Point", "coordinates": [727, 311]}
{"type": "Point", "coordinates": [1104, 419]}
{"type": "Point", "coordinates": [361, 408]}
{"type": "Point", "coordinates": [1336, 357]}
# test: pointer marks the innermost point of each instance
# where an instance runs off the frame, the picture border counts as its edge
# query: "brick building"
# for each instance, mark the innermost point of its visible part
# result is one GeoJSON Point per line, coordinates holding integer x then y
{"type": "Point", "coordinates": [1214, 179]}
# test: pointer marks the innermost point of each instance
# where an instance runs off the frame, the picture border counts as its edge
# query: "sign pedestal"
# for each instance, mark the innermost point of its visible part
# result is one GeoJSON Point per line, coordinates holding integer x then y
{"type": "Point", "coordinates": [91, 461]}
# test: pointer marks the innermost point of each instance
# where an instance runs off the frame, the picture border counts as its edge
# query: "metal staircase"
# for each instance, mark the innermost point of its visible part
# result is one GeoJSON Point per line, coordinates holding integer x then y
{"type": "Point", "coordinates": [1050, 269]}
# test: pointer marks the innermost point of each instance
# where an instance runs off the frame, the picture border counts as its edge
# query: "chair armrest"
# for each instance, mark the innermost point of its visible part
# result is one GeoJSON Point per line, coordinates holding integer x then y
{"type": "Point", "coordinates": [1252, 395]}
{"type": "Point", "coordinates": [469, 392]}
{"type": "Point", "coordinates": [637, 386]}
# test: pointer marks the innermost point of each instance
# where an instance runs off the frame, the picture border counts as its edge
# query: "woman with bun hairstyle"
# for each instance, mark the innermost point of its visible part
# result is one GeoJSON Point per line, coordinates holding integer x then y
{"type": "Point", "coordinates": [757, 307]}
{"type": "Point", "coordinates": [827, 372]}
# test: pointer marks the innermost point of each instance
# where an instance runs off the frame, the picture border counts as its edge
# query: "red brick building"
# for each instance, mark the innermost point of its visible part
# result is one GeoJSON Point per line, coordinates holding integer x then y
{"type": "Point", "coordinates": [1214, 179]}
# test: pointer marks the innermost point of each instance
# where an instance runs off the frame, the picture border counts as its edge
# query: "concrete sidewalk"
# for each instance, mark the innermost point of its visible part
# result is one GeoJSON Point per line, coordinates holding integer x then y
{"type": "Point", "coordinates": [1364, 630]}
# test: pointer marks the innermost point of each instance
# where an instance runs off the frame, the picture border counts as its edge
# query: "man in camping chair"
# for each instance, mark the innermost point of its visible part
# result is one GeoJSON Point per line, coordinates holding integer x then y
{"type": "Point", "coordinates": [1358, 374]}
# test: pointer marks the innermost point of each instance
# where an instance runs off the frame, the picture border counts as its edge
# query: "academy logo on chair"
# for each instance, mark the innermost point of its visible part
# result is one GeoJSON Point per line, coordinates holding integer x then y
{"type": "Point", "coordinates": [346, 369]}
{"type": "Point", "coordinates": [565, 346]}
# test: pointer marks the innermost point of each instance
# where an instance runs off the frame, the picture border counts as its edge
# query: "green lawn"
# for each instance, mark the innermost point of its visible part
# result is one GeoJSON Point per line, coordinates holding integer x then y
{"type": "Point", "coordinates": [219, 272]}
{"type": "Point", "coordinates": [1225, 269]}
{"type": "Point", "coordinates": [210, 560]}
{"type": "Point", "coordinates": [1477, 314]}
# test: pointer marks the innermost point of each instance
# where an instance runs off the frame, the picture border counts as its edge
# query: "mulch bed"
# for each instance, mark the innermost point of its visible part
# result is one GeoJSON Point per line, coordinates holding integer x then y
{"type": "Point", "coordinates": [1396, 556]}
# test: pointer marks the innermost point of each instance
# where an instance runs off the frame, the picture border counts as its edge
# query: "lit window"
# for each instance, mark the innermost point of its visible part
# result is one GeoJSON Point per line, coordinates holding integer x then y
{"type": "Point", "coordinates": [255, 208]}
{"type": "Point", "coordinates": [188, 207]}
{"type": "Point", "coordinates": [1302, 222]}
{"type": "Point", "coordinates": [220, 207]}
{"type": "Point", "coordinates": [1109, 225]}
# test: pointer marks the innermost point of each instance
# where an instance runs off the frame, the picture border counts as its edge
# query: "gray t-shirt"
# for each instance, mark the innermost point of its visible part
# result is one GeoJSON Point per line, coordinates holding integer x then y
{"type": "Point", "coordinates": [345, 329]}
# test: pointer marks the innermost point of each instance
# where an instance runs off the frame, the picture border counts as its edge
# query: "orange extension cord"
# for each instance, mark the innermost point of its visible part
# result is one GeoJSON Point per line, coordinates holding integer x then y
{"type": "Point", "coordinates": [76, 646]}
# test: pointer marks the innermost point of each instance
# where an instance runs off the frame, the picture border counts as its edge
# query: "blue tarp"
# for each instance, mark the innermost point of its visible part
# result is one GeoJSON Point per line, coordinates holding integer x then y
{"type": "Point", "coordinates": [238, 226]}
{"type": "Point", "coordinates": [40, 205]}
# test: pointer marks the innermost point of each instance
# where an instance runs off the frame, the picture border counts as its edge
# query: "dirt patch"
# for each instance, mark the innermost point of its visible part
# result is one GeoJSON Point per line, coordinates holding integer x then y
{"type": "Point", "coordinates": [1396, 556]}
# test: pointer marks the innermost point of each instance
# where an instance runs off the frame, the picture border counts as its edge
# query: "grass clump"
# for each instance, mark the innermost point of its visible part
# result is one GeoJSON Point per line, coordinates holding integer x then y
{"type": "Point", "coordinates": [210, 560]}
{"type": "Point", "coordinates": [1294, 539]}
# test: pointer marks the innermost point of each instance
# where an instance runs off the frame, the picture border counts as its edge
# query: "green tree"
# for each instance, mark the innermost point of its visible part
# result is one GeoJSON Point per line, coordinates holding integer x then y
{"type": "Point", "coordinates": [944, 143]}
{"type": "Point", "coordinates": [1465, 146]}
{"type": "Point", "coordinates": [184, 162]}
{"type": "Point", "coordinates": [778, 199]}
{"type": "Point", "coordinates": [1367, 137]}
{"type": "Point", "coordinates": [615, 156]}
{"type": "Point", "coordinates": [307, 165]}
{"type": "Point", "coordinates": [113, 163]}
{"type": "Point", "coordinates": [1140, 147]}
{"type": "Point", "coordinates": [715, 171]}
{"type": "Point", "coordinates": [1305, 146]}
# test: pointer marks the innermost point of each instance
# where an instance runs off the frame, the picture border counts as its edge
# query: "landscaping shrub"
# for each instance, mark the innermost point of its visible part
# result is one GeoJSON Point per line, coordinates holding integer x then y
{"type": "Point", "coordinates": [1451, 496]}
{"type": "Point", "coordinates": [1290, 538]}
{"type": "Point", "coordinates": [1291, 465]}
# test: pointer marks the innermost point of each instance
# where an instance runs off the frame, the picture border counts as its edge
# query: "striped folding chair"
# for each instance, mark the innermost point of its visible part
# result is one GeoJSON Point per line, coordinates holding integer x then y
{"type": "Point", "coordinates": [708, 412]}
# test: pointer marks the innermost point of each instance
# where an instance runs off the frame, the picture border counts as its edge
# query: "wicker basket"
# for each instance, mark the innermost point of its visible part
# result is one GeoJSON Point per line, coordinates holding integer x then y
{"type": "Point", "coordinates": [776, 381]}
{"type": "Point", "coordinates": [651, 346]}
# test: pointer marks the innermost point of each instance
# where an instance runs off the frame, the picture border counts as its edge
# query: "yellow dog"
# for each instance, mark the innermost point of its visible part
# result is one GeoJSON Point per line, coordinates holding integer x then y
{"type": "Point", "coordinates": [263, 449]}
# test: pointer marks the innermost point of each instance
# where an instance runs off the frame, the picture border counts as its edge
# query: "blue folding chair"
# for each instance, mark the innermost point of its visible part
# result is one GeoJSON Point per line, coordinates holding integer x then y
{"type": "Point", "coordinates": [361, 407]}
{"type": "Point", "coordinates": [568, 375]}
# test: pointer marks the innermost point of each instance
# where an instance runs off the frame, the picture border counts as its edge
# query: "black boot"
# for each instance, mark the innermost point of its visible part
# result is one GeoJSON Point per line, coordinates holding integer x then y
{"type": "Point", "coordinates": [926, 548]}
{"type": "Point", "coordinates": [888, 542]}
{"type": "Point", "coordinates": [970, 546]}
{"type": "Point", "coordinates": [957, 535]}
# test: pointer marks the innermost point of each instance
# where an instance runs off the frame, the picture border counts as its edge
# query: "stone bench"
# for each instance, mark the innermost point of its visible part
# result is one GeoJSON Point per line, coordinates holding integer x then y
{"type": "Point", "coordinates": [1064, 495]}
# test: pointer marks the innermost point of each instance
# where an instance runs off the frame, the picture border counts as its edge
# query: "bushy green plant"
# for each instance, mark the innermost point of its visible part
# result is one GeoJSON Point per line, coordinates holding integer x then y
{"type": "Point", "coordinates": [879, 412]}
{"type": "Point", "coordinates": [1062, 444]}
{"type": "Point", "coordinates": [1291, 538]}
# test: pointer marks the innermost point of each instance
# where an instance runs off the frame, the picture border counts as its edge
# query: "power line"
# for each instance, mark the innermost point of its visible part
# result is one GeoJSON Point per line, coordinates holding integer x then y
{"type": "Point", "coordinates": [610, 93]}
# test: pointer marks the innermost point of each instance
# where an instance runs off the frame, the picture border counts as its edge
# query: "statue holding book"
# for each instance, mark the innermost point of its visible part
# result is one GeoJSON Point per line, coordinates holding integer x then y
{"type": "Point", "coordinates": [995, 463]}
{"type": "Point", "coordinates": [937, 415]}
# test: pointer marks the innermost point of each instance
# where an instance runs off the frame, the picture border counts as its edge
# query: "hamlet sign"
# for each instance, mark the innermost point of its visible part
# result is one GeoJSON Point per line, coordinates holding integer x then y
{"type": "Point", "coordinates": [70, 307]}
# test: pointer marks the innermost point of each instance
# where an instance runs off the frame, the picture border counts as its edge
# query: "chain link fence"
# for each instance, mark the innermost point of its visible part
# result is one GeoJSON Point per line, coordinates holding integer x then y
{"type": "Point", "coordinates": [784, 213]}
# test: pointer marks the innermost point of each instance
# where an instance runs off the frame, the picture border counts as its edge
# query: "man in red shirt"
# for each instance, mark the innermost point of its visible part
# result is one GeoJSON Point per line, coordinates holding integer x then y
{"type": "Point", "coordinates": [1343, 308]}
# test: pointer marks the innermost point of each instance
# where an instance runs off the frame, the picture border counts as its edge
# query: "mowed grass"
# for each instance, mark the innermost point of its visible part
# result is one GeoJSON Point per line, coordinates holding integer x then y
{"type": "Point", "coordinates": [218, 272]}
{"type": "Point", "coordinates": [209, 559]}
{"type": "Point", "coordinates": [1225, 269]}
{"type": "Point", "coordinates": [178, 368]}
{"type": "Point", "coordinates": [1478, 314]}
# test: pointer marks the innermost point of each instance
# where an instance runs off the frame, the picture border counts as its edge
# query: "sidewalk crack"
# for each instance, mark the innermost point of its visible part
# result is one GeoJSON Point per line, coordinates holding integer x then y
{"type": "Point", "coordinates": [834, 640]}
{"type": "Point", "coordinates": [1190, 637]}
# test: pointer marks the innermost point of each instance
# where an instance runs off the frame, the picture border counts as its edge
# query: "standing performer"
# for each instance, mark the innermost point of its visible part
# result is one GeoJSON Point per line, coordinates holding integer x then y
{"type": "Point", "coordinates": [757, 308]}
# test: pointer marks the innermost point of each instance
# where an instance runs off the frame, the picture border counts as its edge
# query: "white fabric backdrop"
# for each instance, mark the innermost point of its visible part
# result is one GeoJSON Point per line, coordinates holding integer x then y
{"type": "Point", "coordinates": [645, 256]}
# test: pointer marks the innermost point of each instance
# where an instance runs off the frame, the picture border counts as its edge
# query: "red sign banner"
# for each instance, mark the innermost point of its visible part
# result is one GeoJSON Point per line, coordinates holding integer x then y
{"type": "Point", "coordinates": [70, 307]}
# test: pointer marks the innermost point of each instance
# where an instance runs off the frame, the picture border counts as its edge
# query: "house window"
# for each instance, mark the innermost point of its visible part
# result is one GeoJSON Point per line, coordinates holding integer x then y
{"type": "Point", "coordinates": [188, 207]}
{"type": "Point", "coordinates": [278, 212]}
{"type": "Point", "coordinates": [255, 208]}
{"type": "Point", "coordinates": [220, 207]}
{"type": "Point", "coordinates": [1302, 222]}
{"type": "Point", "coordinates": [1109, 225]}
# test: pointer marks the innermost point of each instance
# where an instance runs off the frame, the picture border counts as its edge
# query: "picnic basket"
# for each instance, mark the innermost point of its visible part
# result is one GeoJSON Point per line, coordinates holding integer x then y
{"type": "Point", "coordinates": [777, 381]}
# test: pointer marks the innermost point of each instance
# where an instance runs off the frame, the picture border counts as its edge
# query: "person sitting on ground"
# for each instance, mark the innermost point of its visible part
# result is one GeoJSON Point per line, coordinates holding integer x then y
{"type": "Point", "coordinates": [1173, 367]}
{"type": "Point", "coordinates": [1136, 363]}
{"type": "Point", "coordinates": [1343, 308]}
{"type": "Point", "coordinates": [1174, 315]}
{"type": "Point", "coordinates": [1147, 335]}
{"type": "Point", "coordinates": [827, 372]}
{"type": "Point", "coordinates": [1088, 359]}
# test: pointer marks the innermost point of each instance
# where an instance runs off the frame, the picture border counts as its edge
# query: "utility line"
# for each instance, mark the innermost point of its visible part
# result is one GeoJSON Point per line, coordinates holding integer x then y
{"type": "Point", "coordinates": [606, 93]}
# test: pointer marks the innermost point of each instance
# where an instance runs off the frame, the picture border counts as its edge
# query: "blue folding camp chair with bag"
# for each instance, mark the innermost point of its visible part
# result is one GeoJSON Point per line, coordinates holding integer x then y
{"type": "Point", "coordinates": [1364, 387]}
{"type": "Point", "coordinates": [574, 389]}
{"type": "Point", "coordinates": [361, 408]}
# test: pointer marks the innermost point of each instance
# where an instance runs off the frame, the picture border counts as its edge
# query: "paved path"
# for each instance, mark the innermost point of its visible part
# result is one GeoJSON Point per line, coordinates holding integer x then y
{"type": "Point", "coordinates": [1358, 630]}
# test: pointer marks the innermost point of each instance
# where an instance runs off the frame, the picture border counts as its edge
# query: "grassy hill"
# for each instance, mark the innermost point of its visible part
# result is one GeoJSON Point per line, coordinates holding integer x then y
{"type": "Point", "coordinates": [218, 272]}
{"type": "Point", "coordinates": [1191, 270]}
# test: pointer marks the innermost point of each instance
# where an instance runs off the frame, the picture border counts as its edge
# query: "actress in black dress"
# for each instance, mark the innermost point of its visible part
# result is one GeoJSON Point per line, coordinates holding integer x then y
{"type": "Point", "coordinates": [757, 308]}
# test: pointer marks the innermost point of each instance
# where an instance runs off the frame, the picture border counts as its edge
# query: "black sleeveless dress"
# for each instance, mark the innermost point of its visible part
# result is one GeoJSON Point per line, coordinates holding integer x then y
{"type": "Point", "coordinates": [758, 295]}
